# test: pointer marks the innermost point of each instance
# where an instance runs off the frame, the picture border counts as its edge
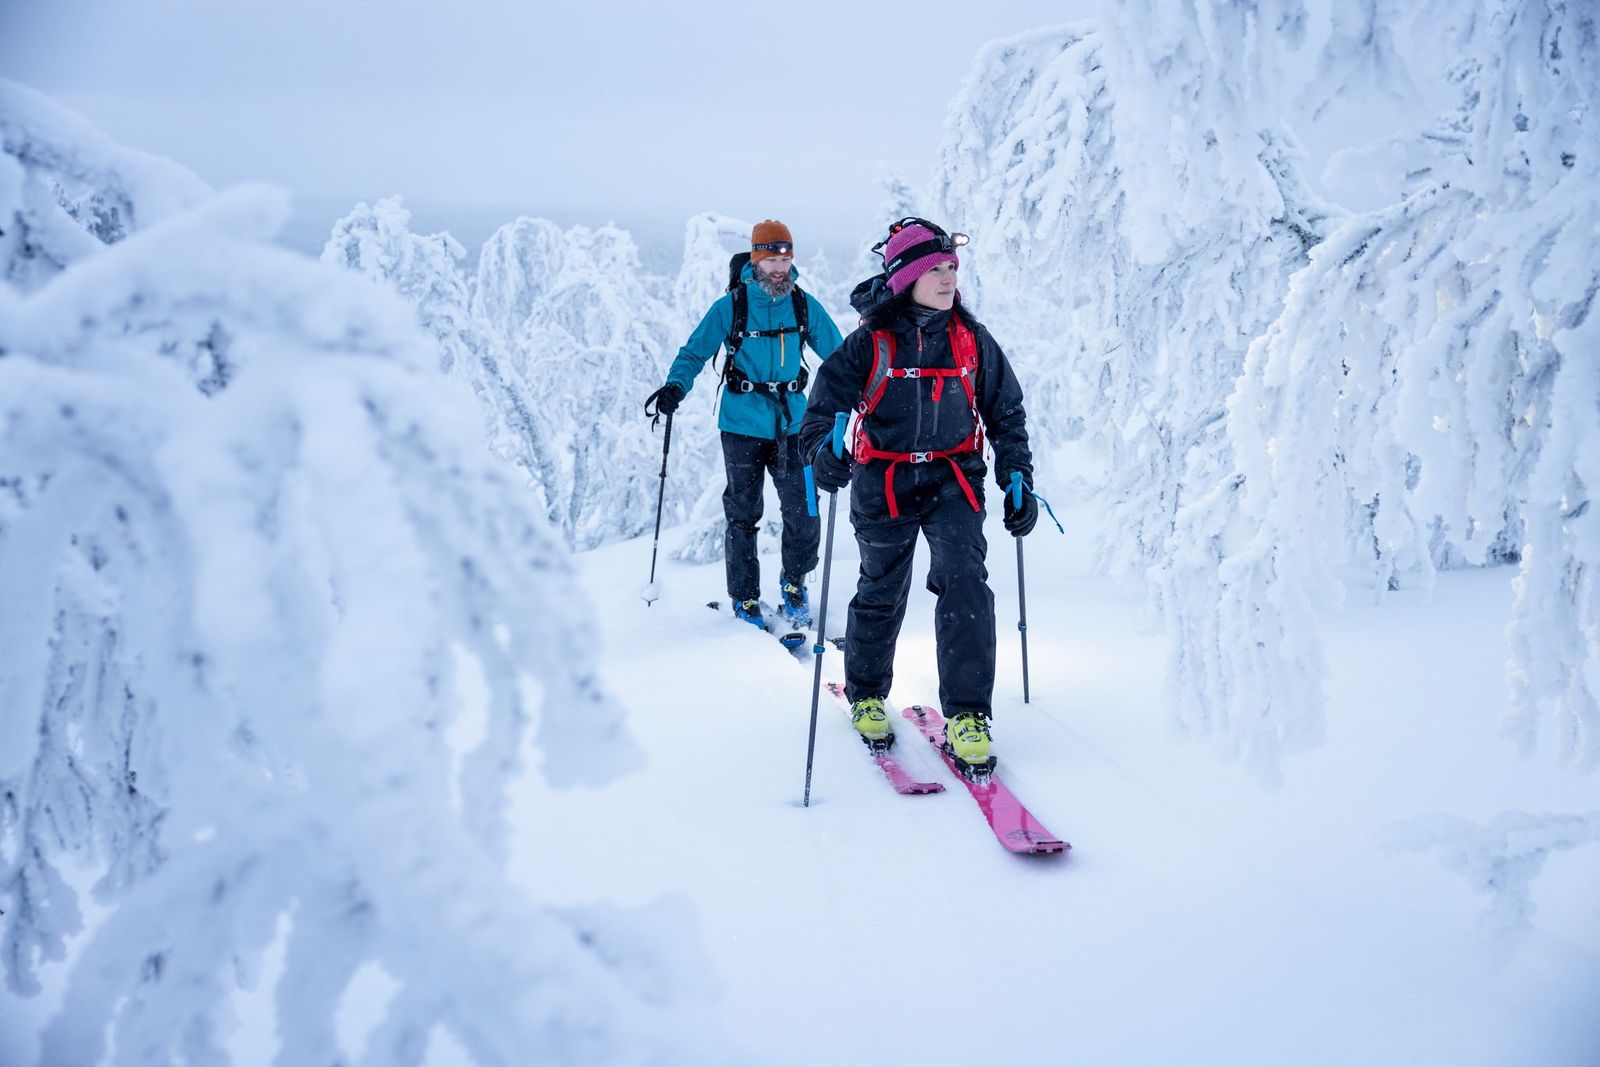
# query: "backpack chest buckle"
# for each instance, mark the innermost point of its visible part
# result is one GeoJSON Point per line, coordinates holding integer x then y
{"type": "Point", "coordinates": [921, 457]}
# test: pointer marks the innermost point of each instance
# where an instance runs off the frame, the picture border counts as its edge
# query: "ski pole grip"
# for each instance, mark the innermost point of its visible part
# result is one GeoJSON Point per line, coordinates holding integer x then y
{"type": "Point", "coordinates": [836, 439]}
{"type": "Point", "coordinates": [1016, 489]}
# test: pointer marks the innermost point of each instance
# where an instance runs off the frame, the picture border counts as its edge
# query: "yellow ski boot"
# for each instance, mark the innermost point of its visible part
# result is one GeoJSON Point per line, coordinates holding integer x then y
{"type": "Point", "coordinates": [871, 721]}
{"type": "Point", "coordinates": [967, 736]}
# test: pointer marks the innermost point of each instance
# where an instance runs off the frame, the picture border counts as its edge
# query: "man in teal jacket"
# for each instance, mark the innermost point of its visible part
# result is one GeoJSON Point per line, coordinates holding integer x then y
{"type": "Point", "coordinates": [762, 407]}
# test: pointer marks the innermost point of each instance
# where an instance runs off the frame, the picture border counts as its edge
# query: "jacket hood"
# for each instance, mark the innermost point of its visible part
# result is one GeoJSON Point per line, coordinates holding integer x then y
{"type": "Point", "coordinates": [873, 299]}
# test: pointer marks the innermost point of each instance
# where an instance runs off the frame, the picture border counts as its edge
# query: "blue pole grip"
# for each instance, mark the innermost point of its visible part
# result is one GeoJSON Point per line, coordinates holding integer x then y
{"type": "Point", "coordinates": [1016, 489]}
{"type": "Point", "coordinates": [836, 439]}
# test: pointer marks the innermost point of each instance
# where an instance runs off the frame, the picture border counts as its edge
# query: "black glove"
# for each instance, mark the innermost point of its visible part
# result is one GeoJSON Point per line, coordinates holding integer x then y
{"type": "Point", "coordinates": [831, 472]}
{"type": "Point", "coordinates": [666, 399]}
{"type": "Point", "coordinates": [1019, 520]}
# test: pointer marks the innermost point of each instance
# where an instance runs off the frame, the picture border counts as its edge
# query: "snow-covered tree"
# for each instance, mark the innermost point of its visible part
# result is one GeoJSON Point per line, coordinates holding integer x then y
{"type": "Point", "coordinates": [517, 265]}
{"type": "Point", "coordinates": [586, 329]}
{"type": "Point", "coordinates": [595, 345]}
{"type": "Point", "coordinates": [246, 628]}
{"type": "Point", "coordinates": [709, 241]}
{"type": "Point", "coordinates": [66, 189]}
{"type": "Point", "coordinates": [1431, 394]}
{"type": "Point", "coordinates": [425, 271]}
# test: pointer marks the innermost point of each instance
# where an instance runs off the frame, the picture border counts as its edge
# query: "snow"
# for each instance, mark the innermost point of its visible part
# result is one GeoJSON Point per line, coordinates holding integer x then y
{"type": "Point", "coordinates": [1198, 918]}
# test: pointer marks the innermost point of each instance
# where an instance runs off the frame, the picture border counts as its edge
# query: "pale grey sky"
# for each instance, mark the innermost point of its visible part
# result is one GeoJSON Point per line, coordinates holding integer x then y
{"type": "Point", "coordinates": [644, 113]}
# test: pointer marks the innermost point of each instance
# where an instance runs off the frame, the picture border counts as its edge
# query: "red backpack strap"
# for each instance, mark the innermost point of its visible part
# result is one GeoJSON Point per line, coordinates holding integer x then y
{"type": "Point", "coordinates": [964, 345]}
{"type": "Point", "coordinates": [882, 363]}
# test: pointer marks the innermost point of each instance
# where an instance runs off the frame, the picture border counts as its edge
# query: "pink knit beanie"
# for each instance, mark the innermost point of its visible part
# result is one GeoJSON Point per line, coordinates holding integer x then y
{"type": "Point", "coordinates": [907, 275]}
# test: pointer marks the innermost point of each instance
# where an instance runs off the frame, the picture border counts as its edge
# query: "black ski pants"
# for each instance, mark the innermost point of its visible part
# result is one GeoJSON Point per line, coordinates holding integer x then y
{"type": "Point", "coordinates": [747, 460]}
{"type": "Point", "coordinates": [932, 503]}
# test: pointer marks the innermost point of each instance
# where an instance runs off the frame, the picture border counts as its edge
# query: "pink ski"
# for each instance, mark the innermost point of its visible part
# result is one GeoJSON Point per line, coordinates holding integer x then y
{"type": "Point", "coordinates": [1012, 823]}
{"type": "Point", "coordinates": [903, 783]}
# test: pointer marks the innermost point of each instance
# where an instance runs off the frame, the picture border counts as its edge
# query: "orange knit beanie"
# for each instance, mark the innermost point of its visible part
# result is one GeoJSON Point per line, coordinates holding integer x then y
{"type": "Point", "coordinates": [770, 232]}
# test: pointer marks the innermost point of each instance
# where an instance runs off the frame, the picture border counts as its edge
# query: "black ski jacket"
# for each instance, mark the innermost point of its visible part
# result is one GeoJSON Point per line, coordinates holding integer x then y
{"type": "Point", "coordinates": [907, 419]}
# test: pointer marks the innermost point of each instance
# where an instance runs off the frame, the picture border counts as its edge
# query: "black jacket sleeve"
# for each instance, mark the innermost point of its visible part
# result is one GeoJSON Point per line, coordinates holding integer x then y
{"type": "Point", "coordinates": [999, 396]}
{"type": "Point", "coordinates": [837, 387]}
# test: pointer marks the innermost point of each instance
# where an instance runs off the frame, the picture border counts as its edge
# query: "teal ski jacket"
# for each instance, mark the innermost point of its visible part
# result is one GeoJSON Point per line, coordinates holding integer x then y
{"type": "Point", "coordinates": [762, 359]}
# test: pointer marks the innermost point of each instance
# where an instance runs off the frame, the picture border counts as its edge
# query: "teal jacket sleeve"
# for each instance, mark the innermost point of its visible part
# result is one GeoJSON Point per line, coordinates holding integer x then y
{"type": "Point", "coordinates": [825, 337]}
{"type": "Point", "coordinates": [703, 344]}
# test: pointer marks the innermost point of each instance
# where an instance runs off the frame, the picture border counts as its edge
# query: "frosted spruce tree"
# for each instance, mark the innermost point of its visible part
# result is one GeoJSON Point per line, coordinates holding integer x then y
{"type": "Point", "coordinates": [595, 346]}
{"type": "Point", "coordinates": [425, 271]}
{"type": "Point", "coordinates": [586, 328]}
{"type": "Point", "coordinates": [275, 644]}
{"type": "Point", "coordinates": [1431, 393]}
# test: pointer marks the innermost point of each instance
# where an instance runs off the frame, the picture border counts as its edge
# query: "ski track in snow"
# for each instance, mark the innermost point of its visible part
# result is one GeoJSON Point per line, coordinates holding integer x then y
{"type": "Point", "coordinates": [1199, 918]}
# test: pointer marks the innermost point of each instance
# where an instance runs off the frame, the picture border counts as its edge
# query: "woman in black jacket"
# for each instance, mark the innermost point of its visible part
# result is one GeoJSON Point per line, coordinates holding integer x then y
{"type": "Point", "coordinates": [929, 384]}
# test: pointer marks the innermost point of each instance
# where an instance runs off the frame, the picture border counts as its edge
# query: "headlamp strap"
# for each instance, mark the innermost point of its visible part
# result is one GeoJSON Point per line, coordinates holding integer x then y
{"type": "Point", "coordinates": [917, 251]}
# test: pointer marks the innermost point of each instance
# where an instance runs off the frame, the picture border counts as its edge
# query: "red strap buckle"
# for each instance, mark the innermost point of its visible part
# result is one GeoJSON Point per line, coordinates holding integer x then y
{"type": "Point", "coordinates": [920, 457]}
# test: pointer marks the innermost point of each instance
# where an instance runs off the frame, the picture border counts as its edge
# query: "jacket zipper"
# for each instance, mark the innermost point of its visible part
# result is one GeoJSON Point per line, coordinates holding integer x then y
{"type": "Point", "coordinates": [916, 435]}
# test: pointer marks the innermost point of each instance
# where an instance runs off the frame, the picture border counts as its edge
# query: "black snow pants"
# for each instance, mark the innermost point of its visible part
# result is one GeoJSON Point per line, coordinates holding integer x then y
{"type": "Point", "coordinates": [932, 502]}
{"type": "Point", "coordinates": [747, 459]}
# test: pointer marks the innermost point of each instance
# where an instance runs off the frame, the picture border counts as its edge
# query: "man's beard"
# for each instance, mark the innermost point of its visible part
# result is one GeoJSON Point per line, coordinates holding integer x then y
{"type": "Point", "coordinates": [775, 287]}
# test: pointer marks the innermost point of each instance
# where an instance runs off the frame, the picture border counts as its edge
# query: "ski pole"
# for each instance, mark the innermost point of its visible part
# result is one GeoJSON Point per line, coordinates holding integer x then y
{"type": "Point", "coordinates": [836, 439]}
{"type": "Point", "coordinates": [651, 592]}
{"type": "Point", "coordinates": [1022, 593]}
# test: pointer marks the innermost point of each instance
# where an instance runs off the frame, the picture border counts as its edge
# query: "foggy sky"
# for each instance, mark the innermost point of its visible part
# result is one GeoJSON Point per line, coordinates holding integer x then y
{"type": "Point", "coordinates": [640, 112]}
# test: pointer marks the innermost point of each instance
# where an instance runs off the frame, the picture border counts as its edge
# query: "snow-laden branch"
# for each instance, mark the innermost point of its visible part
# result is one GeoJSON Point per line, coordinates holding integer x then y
{"type": "Point", "coordinates": [1500, 860]}
{"type": "Point", "coordinates": [425, 271]}
{"type": "Point", "coordinates": [240, 613]}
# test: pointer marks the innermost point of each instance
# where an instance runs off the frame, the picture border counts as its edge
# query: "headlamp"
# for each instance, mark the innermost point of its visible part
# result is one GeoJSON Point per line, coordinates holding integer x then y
{"type": "Point", "coordinates": [782, 248]}
{"type": "Point", "coordinates": [940, 241]}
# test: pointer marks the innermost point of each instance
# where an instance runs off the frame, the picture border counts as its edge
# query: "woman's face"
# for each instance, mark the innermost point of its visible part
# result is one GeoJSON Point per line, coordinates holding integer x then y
{"type": "Point", "coordinates": [937, 288]}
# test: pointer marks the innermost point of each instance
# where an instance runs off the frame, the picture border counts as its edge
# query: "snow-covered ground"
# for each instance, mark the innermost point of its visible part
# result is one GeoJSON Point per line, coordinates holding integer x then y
{"type": "Point", "coordinates": [1199, 918]}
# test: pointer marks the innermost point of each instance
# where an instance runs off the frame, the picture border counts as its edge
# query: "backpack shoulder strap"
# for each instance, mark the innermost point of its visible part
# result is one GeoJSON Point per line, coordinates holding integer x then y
{"type": "Point", "coordinates": [882, 364]}
{"type": "Point", "coordinates": [964, 347]}
{"type": "Point", "coordinates": [802, 315]}
{"type": "Point", "coordinates": [965, 344]}
{"type": "Point", "coordinates": [741, 318]}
